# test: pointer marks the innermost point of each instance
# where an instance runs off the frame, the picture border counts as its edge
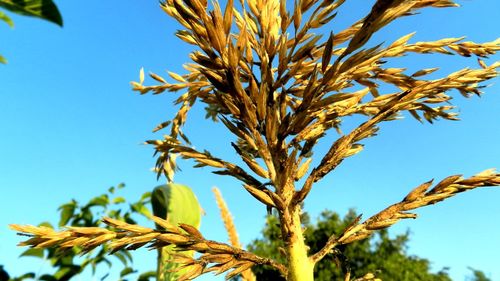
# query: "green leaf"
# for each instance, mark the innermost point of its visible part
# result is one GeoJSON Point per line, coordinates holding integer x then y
{"type": "Point", "coordinates": [146, 275]}
{"type": "Point", "coordinates": [128, 255]}
{"type": "Point", "coordinates": [126, 271]}
{"type": "Point", "coordinates": [119, 200]}
{"type": "Point", "coordinates": [67, 271]}
{"type": "Point", "coordinates": [44, 9]}
{"type": "Point", "coordinates": [47, 277]}
{"type": "Point", "coordinates": [33, 253]}
{"type": "Point", "coordinates": [121, 257]}
{"type": "Point", "coordinates": [177, 204]}
{"type": "Point", "coordinates": [6, 19]}
{"type": "Point", "coordinates": [29, 275]}
{"type": "Point", "coordinates": [3, 60]}
{"type": "Point", "coordinates": [47, 224]}
{"type": "Point", "coordinates": [145, 196]}
{"type": "Point", "coordinates": [115, 214]}
{"type": "Point", "coordinates": [64, 261]}
{"type": "Point", "coordinates": [141, 209]}
{"type": "Point", "coordinates": [67, 211]}
{"type": "Point", "coordinates": [102, 200]}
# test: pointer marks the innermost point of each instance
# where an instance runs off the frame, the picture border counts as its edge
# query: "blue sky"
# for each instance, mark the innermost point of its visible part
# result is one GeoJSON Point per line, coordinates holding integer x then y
{"type": "Point", "coordinates": [71, 127]}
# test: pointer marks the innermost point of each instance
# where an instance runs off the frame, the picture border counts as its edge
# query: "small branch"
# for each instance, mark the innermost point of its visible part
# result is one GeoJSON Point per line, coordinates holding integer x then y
{"type": "Point", "coordinates": [339, 149]}
{"type": "Point", "coordinates": [418, 197]}
{"type": "Point", "coordinates": [169, 146]}
{"type": "Point", "coordinates": [130, 237]}
{"type": "Point", "coordinates": [332, 242]}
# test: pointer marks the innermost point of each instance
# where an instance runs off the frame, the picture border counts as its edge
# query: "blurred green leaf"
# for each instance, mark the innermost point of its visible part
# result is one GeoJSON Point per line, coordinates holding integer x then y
{"type": "Point", "coordinates": [2, 59]}
{"type": "Point", "coordinates": [146, 275]}
{"type": "Point", "coordinates": [66, 271]}
{"type": "Point", "coordinates": [44, 9]}
{"type": "Point", "coordinates": [47, 277]}
{"type": "Point", "coordinates": [118, 200]}
{"type": "Point", "coordinates": [67, 212]}
{"type": "Point", "coordinates": [29, 275]}
{"type": "Point", "coordinates": [102, 200]}
{"type": "Point", "coordinates": [177, 204]}
{"type": "Point", "coordinates": [128, 219]}
{"type": "Point", "coordinates": [115, 214]}
{"type": "Point", "coordinates": [128, 255]}
{"type": "Point", "coordinates": [33, 253]}
{"type": "Point", "coordinates": [121, 257]}
{"type": "Point", "coordinates": [65, 260]}
{"type": "Point", "coordinates": [126, 271]}
{"type": "Point", "coordinates": [45, 223]}
{"type": "Point", "coordinates": [141, 209]}
{"type": "Point", "coordinates": [6, 19]}
{"type": "Point", "coordinates": [145, 196]}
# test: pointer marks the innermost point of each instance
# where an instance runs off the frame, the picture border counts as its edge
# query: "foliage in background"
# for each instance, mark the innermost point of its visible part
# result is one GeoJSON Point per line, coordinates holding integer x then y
{"type": "Point", "coordinates": [177, 204]}
{"type": "Point", "coordinates": [381, 254]}
{"type": "Point", "coordinates": [384, 255]}
{"type": "Point", "coordinates": [68, 263]}
{"type": "Point", "coordinates": [44, 9]}
{"type": "Point", "coordinates": [477, 275]}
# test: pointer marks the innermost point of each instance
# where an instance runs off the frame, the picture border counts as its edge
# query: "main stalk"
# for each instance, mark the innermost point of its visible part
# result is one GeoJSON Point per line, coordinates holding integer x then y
{"type": "Point", "coordinates": [300, 267]}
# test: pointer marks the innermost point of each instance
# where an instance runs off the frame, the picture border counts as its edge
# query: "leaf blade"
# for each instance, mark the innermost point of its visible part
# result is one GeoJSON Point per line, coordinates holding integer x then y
{"type": "Point", "coordinates": [44, 9]}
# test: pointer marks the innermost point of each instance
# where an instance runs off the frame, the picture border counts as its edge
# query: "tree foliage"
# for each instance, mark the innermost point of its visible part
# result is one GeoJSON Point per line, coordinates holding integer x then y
{"type": "Point", "coordinates": [381, 254]}
{"type": "Point", "coordinates": [67, 263]}
{"type": "Point", "coordinates": [477, 275]}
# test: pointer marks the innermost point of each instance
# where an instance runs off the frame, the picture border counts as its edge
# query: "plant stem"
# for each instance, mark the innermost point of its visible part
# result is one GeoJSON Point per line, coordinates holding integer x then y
{"type": "Point", "coordinates": [300, 267]}
{"type": "Point", "coordinates": [159, 266]}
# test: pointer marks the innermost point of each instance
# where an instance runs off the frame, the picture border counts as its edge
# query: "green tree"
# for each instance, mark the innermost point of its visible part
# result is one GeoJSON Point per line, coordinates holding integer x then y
{"type": "Point", "coordinates": [477, 275]}
{"type": "Point", "coordinates": [381, 254]}
{"type": "Point", "coordinates": [66, 263]}
{"type": "Point", "coordinates": [43, 9]}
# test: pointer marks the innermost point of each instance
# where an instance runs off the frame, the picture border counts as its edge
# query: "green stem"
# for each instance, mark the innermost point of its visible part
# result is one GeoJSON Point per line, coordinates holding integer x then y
{"type": "Point", "coordinates": [159, 266]}
{"type": "Point", "coordinates": [300, 266]}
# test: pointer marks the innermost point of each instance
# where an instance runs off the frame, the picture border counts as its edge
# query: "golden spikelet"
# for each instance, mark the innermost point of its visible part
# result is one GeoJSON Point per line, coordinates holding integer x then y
{"type": "Point", "coordinates": [243, 269]}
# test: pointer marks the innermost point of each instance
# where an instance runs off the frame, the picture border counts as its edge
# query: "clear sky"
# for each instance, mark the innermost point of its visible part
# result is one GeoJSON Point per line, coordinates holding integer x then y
{"type": "Point", "coordinates": [71, 127]}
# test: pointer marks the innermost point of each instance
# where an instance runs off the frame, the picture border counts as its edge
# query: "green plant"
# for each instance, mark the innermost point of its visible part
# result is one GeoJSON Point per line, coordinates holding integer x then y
{"type": "Point", "coordinates": [279, 88]}
{"type": "Point", "coordinates": [74, 214]}
{"type": "Point", "coordinates": [177, 204]}
{"type": "Point", "coordinates": [477, 275]}
{"type": "Point", "coordinates": [44, 9]}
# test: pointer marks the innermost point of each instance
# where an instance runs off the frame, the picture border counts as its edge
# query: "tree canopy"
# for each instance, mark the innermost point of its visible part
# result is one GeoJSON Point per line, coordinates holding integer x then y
{"type": "Point", "coordinates": [383, 255]}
